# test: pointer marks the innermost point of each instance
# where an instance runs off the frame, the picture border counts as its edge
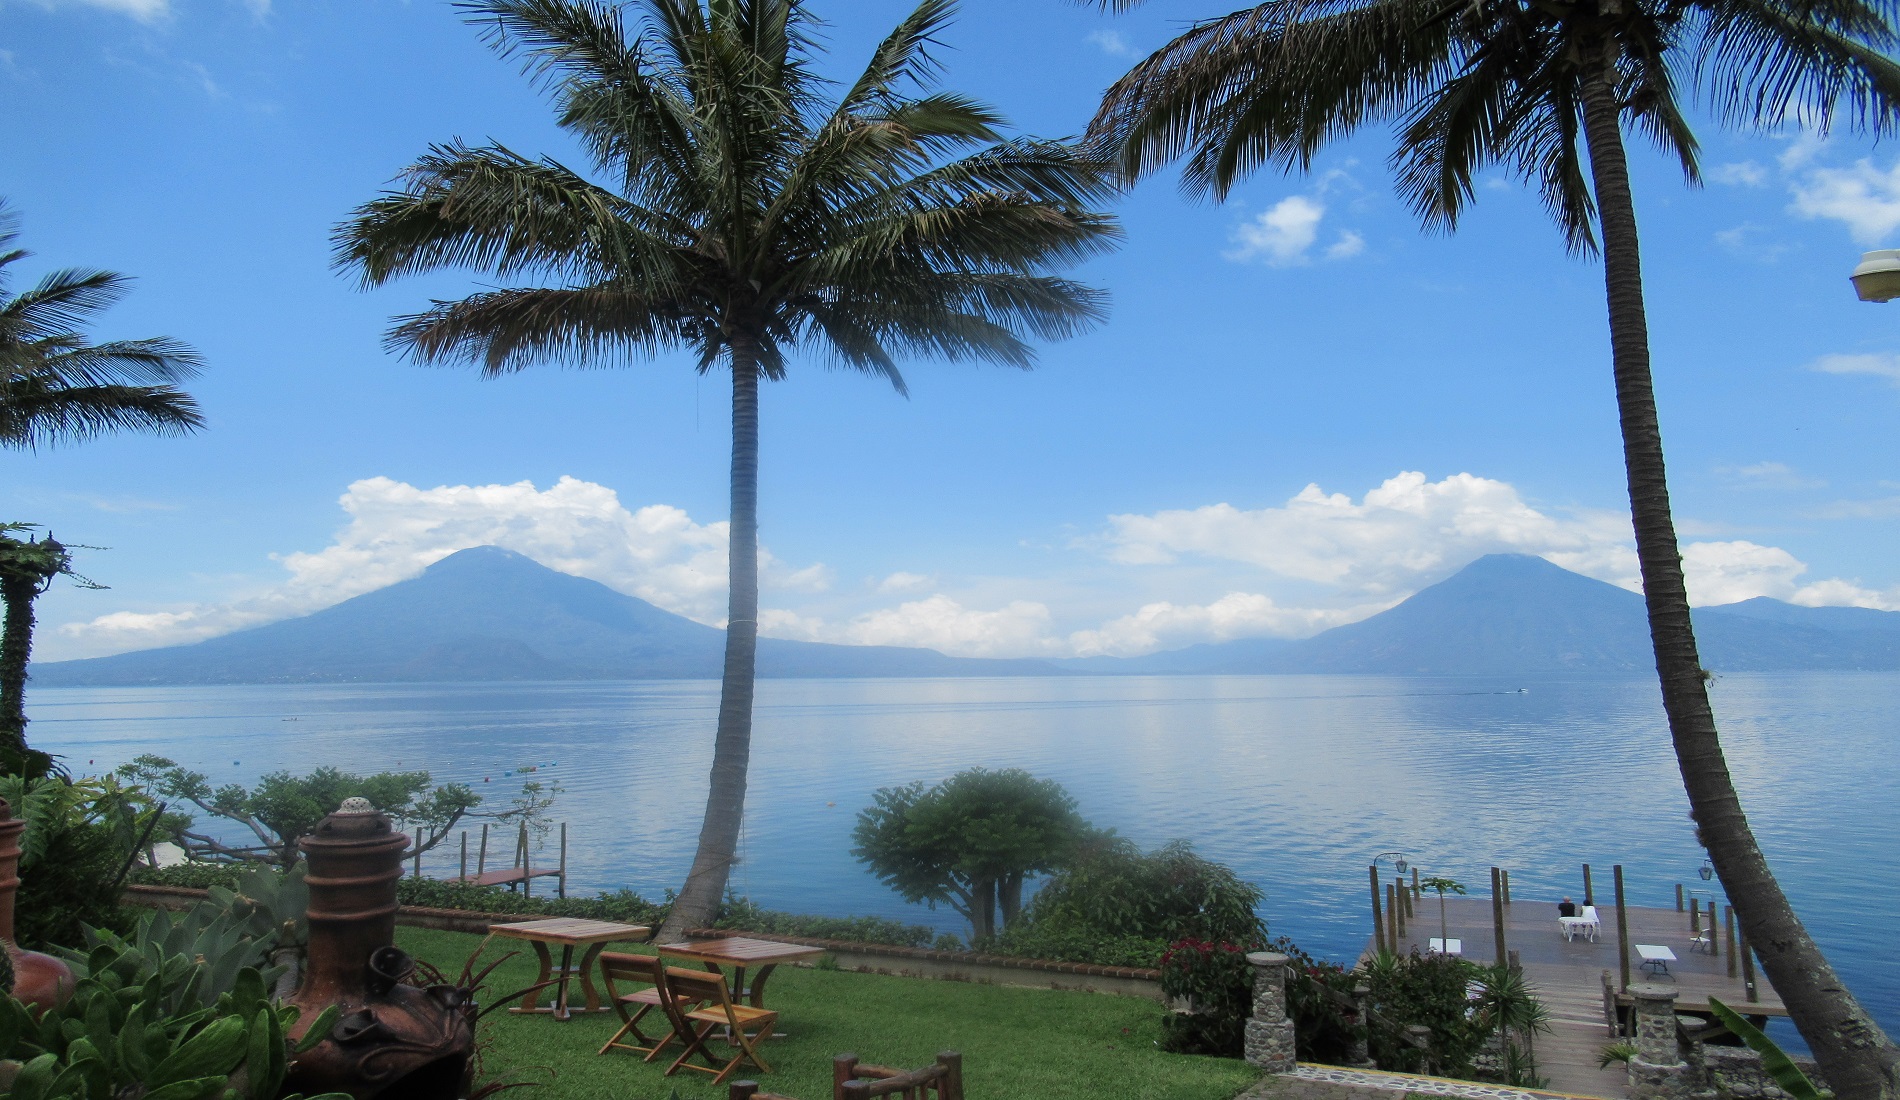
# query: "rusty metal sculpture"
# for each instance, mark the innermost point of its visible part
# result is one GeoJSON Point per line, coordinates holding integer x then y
{"type": "Point", "coordinates": [392, 1040]}
{"type": "Point", "coordinates": [39, 981]}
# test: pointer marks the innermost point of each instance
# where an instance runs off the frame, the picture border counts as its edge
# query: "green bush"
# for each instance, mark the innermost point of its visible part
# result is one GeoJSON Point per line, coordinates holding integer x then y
{"type": "Point", "coordinates": [1323, 1028]}
{"type": "Point", "coordinates": [78, 840]}
{"type": "Point", "coordinates": [741, 915]}
{"type": "Point", "coordinates": [1067, 943]}
{"type": "Point", "coordinates": [1217, 982]}
{"type": "Point", "coordinates": [1424, 989]}
{"type": "Point", "coordinates": [1115, 889]}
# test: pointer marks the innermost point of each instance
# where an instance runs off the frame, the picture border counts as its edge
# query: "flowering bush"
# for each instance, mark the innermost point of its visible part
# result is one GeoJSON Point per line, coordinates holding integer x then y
{"type": "Point", "coordinates": [1216, 982]}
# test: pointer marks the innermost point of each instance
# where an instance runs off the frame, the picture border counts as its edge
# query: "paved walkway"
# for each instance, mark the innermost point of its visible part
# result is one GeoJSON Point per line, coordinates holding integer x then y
{"type": "Point", "coordinates": [1315, 1082]}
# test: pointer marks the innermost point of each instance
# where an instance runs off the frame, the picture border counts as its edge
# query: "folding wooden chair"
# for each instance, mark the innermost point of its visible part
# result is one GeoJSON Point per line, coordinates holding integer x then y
{"type": "Point", "coordinates": [632, 1006]}
{"type": "Point", "coordinates": [680, 988]}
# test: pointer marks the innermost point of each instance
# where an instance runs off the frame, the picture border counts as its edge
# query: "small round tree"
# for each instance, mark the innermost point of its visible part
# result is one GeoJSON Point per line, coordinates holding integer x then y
{"type": "Point", "coordinates": [970, 841]}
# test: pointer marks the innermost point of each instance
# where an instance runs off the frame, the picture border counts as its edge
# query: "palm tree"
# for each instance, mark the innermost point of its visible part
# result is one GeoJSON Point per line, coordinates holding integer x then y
{"type": "Point", "coordinates": [1533, 86]}
{"type": "Point", "coordinates": [739, 214]}
{"type": "Point", "coordinates": [56, 386]}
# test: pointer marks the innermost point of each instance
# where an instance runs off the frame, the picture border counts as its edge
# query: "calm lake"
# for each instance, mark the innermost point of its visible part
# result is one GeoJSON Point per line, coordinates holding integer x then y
{"type": "Point", "coordinates": [1295, 781]}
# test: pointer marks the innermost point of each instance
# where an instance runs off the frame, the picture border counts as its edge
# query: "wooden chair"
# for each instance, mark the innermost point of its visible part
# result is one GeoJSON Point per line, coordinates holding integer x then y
{"type": "Point", "coordinates": [681, 988]}
{"type": "Point", "coordinates": [853, 1080]}
{"type": "Point", "coordinates": [632, 1006]}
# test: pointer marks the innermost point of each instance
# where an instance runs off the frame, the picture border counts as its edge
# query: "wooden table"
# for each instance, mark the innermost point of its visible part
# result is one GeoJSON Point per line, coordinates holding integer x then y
{"type": "Point", "coordinates": [569, 933]}
{"type": "Point", "coordinates": [739, 953]}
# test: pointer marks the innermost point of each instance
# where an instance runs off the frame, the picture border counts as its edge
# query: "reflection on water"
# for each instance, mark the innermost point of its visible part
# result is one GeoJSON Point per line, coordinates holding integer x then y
{"type": "Point", "coordinates": [1295, 781]}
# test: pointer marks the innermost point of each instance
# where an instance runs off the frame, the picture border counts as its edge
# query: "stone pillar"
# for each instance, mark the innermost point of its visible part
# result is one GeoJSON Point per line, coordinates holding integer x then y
{"type": "Point", "coordinates": [1359, 1055]}
{"type": "Point", "coordinates": [1269, 1033]}
{"type": "Point", "coordinates": [1657, 1072]}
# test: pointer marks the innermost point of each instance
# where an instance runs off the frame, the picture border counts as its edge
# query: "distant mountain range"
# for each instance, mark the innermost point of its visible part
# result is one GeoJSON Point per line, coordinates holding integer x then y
{"type": "Point", "coordinates": [489, 614]}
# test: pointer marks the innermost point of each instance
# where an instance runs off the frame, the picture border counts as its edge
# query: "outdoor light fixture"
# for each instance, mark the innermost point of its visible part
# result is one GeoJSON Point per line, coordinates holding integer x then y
{"type": "Point", "coordinates": [1397, 858]}
{"type": "Point", "coordinates": [1707, 870]}
{"type": "Point", "coordinates": [1877, 278]}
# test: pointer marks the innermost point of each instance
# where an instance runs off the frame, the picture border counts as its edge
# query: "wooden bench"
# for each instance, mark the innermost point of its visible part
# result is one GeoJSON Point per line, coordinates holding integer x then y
{"type": "Point", "coordinates": [854, 1080]}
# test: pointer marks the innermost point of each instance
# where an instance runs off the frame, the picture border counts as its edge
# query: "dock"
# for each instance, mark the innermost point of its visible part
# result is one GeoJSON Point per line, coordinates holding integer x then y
{"type": "Point", "coordinates": [1579, 981]}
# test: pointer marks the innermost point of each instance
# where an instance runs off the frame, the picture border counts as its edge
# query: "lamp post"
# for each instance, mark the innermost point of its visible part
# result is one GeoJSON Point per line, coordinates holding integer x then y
{"type": "Point", "coordinates": [1877, 277]}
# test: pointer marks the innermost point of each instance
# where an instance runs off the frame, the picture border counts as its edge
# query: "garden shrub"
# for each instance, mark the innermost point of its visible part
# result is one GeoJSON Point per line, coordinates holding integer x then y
{"type": "Point", "coordinates": [1217, 982]}
{"type": "Point", "coordinates": [1323, 1028]}
{"type": "Point", "coordinates": [77, 843]}
{"type": "Point", "coordinates": [1058, 942]}
{"type": "Point", "coordinates": [1429, 990]}
{"type": "Point", "coordinates": [740, 914]}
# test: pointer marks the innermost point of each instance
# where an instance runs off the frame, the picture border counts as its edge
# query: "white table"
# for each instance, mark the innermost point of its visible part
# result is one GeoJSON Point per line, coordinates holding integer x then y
{"type": "Point", "coordinates": [1436, 946]}
{"type": "Point", "coordinates": [1578, 926]}
{"type": "Point", "coordinates": [1655, 959]}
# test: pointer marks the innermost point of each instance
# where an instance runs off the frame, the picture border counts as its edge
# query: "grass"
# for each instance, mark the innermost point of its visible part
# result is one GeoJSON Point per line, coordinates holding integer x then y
{"type": "Point", "coordinates": [1016, 1043]}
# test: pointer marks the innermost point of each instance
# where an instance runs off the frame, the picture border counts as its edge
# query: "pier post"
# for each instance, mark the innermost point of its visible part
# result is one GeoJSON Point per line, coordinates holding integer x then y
{"type": "Point", "coordinates": [481, 857]}
{"type": "Point", "coordinates": [1507, 886]}
{"type": "Point", "coordinates": [1588, 897]}
{"type": "Point", "coordinates": [1678, 897]}
{"type": "Point", "coordinates": [1747, 951]}
{"type": "Point", "coordinates": [563, 879]}
{"type": "Point", "coordinates": [1497, 914]}
{"type": "Point", "coordinates": [1728, 936]}
{"type": "Point", "coordinates": [464, 877]}
{"type": "Point", "coordinates": [1417, 894]}
{"type": "Point", "coordinates": [1269, 1034]}
{"type": "Point", "coordinates": [1622, 928]}
{"type": "Point", "coordinates": [1657, 1072]}
{"type": "Point", "coordinates": [1396, 902]}
{"type": "Point", "coordinates": [1378, 915]}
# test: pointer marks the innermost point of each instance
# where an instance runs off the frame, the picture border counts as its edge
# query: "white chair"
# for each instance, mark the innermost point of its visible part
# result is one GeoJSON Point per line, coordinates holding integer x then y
{"type": "Point", "coordinates": [1590, 927]}
{"type": "Point", "coordinates": [1435, 946]}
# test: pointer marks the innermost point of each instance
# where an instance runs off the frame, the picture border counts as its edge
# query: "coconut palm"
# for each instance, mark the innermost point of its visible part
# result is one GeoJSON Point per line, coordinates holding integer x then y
{"type": "Point", "coordinates": [1535, 87]}
{"type": "Point", "coordinates": [56, 386]}
{"type": "Point", "coordinates": [740, 214]}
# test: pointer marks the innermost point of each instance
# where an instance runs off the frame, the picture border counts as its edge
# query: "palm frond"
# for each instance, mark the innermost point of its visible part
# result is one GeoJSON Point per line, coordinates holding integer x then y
{"type": "Point", "coordinates": [34, 413]}
{"type": "Point", "coordinates": [503, 331]}
{"type": "Point", "coordinates": [1763, 63]}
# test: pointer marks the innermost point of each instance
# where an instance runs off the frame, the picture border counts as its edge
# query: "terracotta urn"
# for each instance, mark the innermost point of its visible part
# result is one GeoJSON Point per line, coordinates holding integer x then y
{"type": "Point", "coordinates": [39, 981]}
{"type": "Point", "coordinates": [392, 1040]}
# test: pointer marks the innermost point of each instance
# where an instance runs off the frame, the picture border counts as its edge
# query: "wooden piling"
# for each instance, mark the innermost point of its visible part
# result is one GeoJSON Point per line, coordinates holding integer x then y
{"type": "Point", "coordinates": [464, 877]}
{"type": "Point", "coordinates": [481, 858]}
{"type": "Point", "coordinates": [1392, 916]}
{"type": "Point", "coordinates": [1378, 915]}
{"type": "Point", "coordinates": [1728, 936]}
{"type": "Point", "coordinates": [1622, 927]}
{"type": "Point", "coordinates": [1507, 886]}
{"type": "Point", "coordinates": [1396, 902]}
{"type": "Point", "coordinates": [1695, 916]}
{"type": "Point", "coordinates": [1678, 897]}
{"type": "Point", "coordinates": [1588, 897]}
{"type": "Point", "coordinates": [563, 879]}
{"type": "Point", "coordinates": [527, 871]}
{"type": "Point", "coordinates": [1417, 894]}
{"type": "Point", "coordinates": [1748, 967]}
{"type": "Point", "coordinates": [415, 862]}
{"type": "Point", "coordinates": [1497, 914]}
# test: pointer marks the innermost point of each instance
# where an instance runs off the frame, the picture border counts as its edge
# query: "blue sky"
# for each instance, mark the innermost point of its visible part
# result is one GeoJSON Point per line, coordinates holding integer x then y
{"type": "Point", "coordinates": [1301, 410]}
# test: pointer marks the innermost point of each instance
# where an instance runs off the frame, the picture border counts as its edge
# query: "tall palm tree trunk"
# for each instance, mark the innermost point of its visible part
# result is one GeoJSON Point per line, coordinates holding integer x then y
{"type": "Point", "coordinates": [16, 649]}
{"type": "Point", "coordinates": [699, 899]}
{"type": "Point", "coordinates": [1854, 1054]}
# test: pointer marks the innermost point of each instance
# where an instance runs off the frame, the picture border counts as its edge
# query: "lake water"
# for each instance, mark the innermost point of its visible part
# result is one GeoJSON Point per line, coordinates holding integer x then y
{"type": "Point", "coordinates": [1294, 781]}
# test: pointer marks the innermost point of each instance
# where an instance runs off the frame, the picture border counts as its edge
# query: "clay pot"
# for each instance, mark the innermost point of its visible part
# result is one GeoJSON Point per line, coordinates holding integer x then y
{"type": "Point", "coordinates": [39, 981]}
{"type": "Point", "coordinates": [393, 1040]}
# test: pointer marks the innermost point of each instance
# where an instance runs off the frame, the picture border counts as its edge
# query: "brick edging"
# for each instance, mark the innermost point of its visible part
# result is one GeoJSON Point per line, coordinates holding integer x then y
{"type": "Point", "coordinates": [1008, 962]}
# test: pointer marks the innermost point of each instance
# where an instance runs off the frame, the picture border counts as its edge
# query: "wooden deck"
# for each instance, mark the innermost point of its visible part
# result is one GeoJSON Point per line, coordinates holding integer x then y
{"type": "Point", "coordinates": [1568, 975]}
{"type": "Point", "coordinates": [507, 876]}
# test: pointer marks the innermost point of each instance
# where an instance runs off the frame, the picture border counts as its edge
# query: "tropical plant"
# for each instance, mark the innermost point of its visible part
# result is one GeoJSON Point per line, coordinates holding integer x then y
{"type": "Point", "coordinates": [1504, 1006]}
{"type": "Point", "coordinates": [128, 1033]}
{"type": "Point", "coordinates": [1536, 86]}
{"type": "Point", "coordinates": [28, 568]}
{"type": "Point", "coordinates": [1423, 990]}
{"type": "Point", "coordinates": [970, 841]}
{"type": "Point", "coordinates": [1774, 1060]}
{"type": "Point", "coordinates": [742, 214]}
{"type": "Point", "coordinates": [1442, 886]}
{"type": "Point", "coordinates": [283, 807]}
{"type": "Point", "coordinates": [80, 841]}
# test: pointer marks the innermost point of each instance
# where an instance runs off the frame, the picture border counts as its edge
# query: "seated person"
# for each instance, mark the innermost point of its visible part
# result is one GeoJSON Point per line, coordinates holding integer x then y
{"type": "Point", "coordinates": [1566, 908]}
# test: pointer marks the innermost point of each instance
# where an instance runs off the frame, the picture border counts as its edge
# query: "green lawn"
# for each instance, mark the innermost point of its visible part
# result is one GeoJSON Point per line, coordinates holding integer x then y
{"type": "Point", "coordinates": [1017, 1044]}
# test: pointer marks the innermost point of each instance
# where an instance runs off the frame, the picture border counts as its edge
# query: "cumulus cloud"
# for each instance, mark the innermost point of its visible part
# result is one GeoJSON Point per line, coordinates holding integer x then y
{"type": "Point", "coordinates": [1111, 43]}
{"type": "Point", "coordinates": [657, 552]}
{"type": "Point", "coordinates": [1745, 174]}
{"type": "Point", "coordinates": [1864, 198]}
{"type": "Point", "coordinates": [1880, 364]}
{"type": "Point", "coordinates": [904, 582]}
{"type": "Point", "coordinates": [1406, 532]}
{"type": "Point", "coordinates": [1727, 572]}
{"type": "Point", "coordinates": [1165, 625]}
{"type": "Point", "coordinates": [1283, 235]}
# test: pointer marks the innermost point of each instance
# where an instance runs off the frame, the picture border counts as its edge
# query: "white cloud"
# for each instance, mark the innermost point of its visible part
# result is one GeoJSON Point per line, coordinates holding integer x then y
{"type": "Point", "coordinates": [1348, 245]}
{"type": "Point", "coordinates": [396, 530]}
{"type": "Point", "coordinates": [1165, 625]}
{"type": "Point", "coordinates": [1280, 235]}
{"type": "Point", "coordinates": [1882, 364]}
{"type": "Point", "coordinates": [1407, 532]}
{"type": "Point", "coordinates": [1111, 43]}
{"type": "Point", "coordinates": [1726, 572]}
{"type": "Point", "coordinates": [1745, 174]}
{"type": "Point", "coordinates": [904, 582]}
{"type": "Point", "coordinates": [1840, 593]}
{"type": "Point", "coordinates": [1864, 198]}
{"type": "Point", "coordinates": [151, 11]}
{"type": "Point", "coordinates": [941, 623]}
{"type": "Point", "coordinates": [1769, 475]}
